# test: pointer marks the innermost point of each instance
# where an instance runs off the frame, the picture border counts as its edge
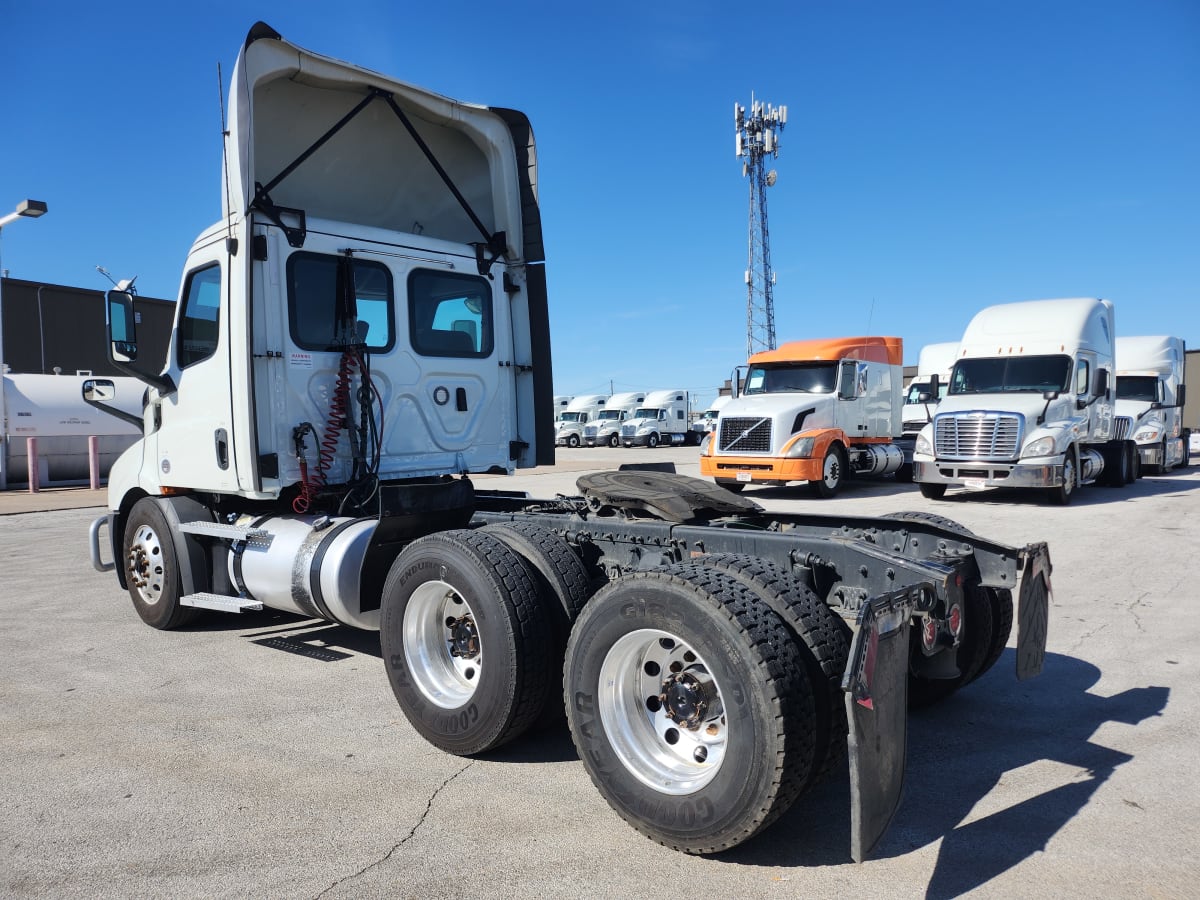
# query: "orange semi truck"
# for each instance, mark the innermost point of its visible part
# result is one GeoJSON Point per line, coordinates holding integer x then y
{"type": "Point", "coordinates": [818, 411]}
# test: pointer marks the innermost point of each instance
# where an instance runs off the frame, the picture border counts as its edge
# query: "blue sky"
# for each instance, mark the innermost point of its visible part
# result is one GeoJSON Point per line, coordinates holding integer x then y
{"type": "Point", "coordinates": [938, 157]}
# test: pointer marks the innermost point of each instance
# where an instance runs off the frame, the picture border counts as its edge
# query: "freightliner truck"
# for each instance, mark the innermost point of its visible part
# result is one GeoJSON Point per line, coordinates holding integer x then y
{"type": "Point", "coordinates": [1150, 397]}
{"type": "Point", "coordinates": [1030, 404]}
{"type": "Point", "coordinates": [363, 331]}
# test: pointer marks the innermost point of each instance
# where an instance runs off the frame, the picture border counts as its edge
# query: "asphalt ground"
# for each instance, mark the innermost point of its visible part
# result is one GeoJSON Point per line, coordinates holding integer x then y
{"type": "Point", "coordinates": [264, 755]}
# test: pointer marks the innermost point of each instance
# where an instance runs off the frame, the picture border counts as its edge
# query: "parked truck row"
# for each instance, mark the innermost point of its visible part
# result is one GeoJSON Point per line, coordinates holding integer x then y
{"type": "Point", "coordinates": [1039, 395]}
{"type": "Point", "coordinates": [340, 368]}
{"type": "Point", "coordinates": [630, 419]}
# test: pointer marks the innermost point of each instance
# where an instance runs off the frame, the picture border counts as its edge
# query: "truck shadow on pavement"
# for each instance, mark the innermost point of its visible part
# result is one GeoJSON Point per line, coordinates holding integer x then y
{"type": "Point", "coordinates": [956, 791]}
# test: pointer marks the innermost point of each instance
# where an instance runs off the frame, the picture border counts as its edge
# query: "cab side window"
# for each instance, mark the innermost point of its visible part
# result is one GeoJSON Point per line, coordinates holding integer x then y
{"type": "Point", "coordinates": [199, 324]}
{"type": "Point", "coordinates": [1083, 384]}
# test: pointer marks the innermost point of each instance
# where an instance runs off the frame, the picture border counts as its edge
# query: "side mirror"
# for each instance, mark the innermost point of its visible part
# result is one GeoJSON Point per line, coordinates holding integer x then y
{"type": "Point", "coordinates": [847, 381]}
{"type": "Point", "coordinates": [1180, 395]}
{"type": "Point", "coordinates": [122, 328]}
{"type": "Point", "coordinates": [924, 396]}
{"type": "Point", "coordinates": [1101, 382]}
{"type": "Point", "coordinates": [99, 390]}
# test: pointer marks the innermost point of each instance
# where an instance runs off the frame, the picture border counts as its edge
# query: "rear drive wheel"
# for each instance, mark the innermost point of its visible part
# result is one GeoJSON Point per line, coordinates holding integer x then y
{"type": "Point", "coordinates": [822, 637]}
{"type": "Point", "coordinates": [152, 568]}
{"type": "Point", "coordinates": [563, 584]}
{"type": "Point", "coordinates": [690, 706]}
{"type": "Point", "coordinates": [465, 638]}
{"type": "Point", "coordinates": [833, 472]}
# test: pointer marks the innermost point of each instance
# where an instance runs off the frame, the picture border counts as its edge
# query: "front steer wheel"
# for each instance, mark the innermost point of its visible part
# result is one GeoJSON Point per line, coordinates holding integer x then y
{"type": "Point", "coordinates": [690, 706]}
{"type": "Point", "coordinates": [152, 568]}
{"type": "Point", "coordinates": [466, 641]}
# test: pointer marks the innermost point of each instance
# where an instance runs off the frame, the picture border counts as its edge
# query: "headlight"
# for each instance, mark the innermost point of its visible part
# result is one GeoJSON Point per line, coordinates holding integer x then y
{"type": "Point", "coordinates": [802, 449]}
{"type": "Point", "coordinates": [1149, 433]}
{"type": "Point", "coordinates": [924, 446]}
{"type": "Point", "coordinates": [1043, 446]}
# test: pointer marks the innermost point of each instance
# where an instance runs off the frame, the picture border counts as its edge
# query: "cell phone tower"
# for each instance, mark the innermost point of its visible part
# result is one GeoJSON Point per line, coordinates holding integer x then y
{"type": "Point", "coordinates": [758, 138]}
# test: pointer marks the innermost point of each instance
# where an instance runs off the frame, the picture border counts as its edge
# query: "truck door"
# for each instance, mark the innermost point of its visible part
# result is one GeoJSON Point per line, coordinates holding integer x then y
{"type": "Point", "coordinates": [195, 439]}
{"type": "Point", "coordinates": [438, 345]}
{"type": "Point", "coordinates": [850, 414]}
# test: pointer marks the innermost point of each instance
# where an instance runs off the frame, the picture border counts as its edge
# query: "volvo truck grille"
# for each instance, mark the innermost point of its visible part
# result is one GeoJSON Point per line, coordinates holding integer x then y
{"type": "Point", "coordinates": [745, 435]}
{"type": "Point", "coordinates": [977, 436]}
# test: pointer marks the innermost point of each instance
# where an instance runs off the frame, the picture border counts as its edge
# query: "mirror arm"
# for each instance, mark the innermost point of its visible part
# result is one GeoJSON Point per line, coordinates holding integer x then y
{"type": "Point", "coordinates": [116, 412]}
{"type": "Point", "coordinates": [163, 383]}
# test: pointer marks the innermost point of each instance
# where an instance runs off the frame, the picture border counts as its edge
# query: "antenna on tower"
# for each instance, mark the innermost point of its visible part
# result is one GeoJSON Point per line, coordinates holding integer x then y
{"type": "Point", "coordinates": [756, 138]}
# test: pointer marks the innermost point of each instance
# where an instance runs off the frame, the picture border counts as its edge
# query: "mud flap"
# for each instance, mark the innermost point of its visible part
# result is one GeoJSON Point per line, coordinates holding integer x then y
{"type": "Point", "coordinates": [876, 686]}
{"type": "Point", "coordinates": [1033, 611]}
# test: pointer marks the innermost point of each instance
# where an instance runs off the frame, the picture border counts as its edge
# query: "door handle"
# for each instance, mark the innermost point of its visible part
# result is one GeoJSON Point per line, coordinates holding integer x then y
{"type": "Point", "coordinates": [222, 447]}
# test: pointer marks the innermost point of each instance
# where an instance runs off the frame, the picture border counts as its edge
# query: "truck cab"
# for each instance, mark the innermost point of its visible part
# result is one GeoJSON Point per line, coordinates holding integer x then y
{"type": "Point", "coordinates": [1030, 403]}
{"type": "Point", "coordinates": [812, 411]}
{"type": "Point", "coordinates": [929, 386]}
{"type": "Point", "coordinates": [1150, 395]}
{"type": "Point", "coordinates": [605, 428]}
{"type": "Point", "coordinates": [568, 430]}
{"type": "Point", "coordinates": [662, 420]}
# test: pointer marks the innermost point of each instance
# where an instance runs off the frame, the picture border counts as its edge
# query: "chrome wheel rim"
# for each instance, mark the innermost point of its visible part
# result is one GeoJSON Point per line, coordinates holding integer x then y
{"type": "Point", "coordinates": [831, 471]}
{"type": "Point", "coordinates": [147, 572]}
{"type": "Point", "coordinates": [662, 712]}
{"type": "Point", "coordinates": [441, 645]}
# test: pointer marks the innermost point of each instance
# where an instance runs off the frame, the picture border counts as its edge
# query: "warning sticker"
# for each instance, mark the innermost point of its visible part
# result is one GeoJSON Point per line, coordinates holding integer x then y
{"type": "Point", "coordinates": [302, 361]}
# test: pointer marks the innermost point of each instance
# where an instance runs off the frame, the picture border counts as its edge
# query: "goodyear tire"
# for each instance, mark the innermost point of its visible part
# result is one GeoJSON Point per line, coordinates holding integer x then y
{"type": "Point", "coordinates": [822, 637]}
{"type": "Point", "coordinates": [465, 641]}
{"type": "Point", "coordinates": [833, 473]}
{"type": "Point", "coordinates": [690, 706]}
{"type": "Point", "coordinates": [563, 584]}
{"type": "Point", "coordinates": [152, 568]}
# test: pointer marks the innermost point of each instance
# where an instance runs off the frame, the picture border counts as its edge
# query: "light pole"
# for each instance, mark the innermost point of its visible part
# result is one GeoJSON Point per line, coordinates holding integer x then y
{"type": "Point", "coordinates": [28, 209]}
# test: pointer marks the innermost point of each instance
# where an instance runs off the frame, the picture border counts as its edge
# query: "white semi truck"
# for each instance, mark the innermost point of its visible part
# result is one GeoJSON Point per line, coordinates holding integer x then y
{"type": "Point", "coordinates": [665, 418]}
{"type": "Point", "coordinates": [1150, 395]}
{"type": "Point", "coordinates": [818, 411]}
{"type": "Point", "coordinates": [561, 402]}
{"type": "Point", "coordinates": [929, 386]}
{"type": "Point", "coordinates": [605, 428]}
{"type": "Point", "coordinates": [366, 328]}
{"type": "Point", "coordinates": [707, 420]}
{"type": "Point", "coordinates": [1030, 404]}
{"type": "Point", "coordinates": [583, 408]}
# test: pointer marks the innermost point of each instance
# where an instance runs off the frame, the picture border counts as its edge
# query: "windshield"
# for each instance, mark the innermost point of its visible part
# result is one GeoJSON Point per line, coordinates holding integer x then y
{"type": "Point", "coordinates": [803, 378]}
{"type": "Point", "coordinates": [612, 414]}
{"type": "Point", "coordinates": [1137, 387]}
{"type": "Point", "coordinates": [1011, 374]}
{"type": "Point", "coordinates": [918, 387]}
{"type": "Point", "coordinates": [573, 417]}
{"type": "Point", "coordinates": [646, 412]}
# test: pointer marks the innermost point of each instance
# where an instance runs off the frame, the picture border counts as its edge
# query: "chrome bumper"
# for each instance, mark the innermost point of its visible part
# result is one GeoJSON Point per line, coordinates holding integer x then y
{"type": "Point", "coordinates": [1032, 473]}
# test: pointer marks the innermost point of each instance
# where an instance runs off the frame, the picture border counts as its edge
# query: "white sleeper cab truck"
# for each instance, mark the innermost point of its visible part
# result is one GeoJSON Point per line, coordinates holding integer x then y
{"type": "Point", "coordinates": [929, 386]}
{"type": "Point", "coordinates": [362, 332]}
{"type": "Point", "coordinates": [1150, 395]}
{"type": "Point", "coordinates": [707, 420]}
{"type": "Point", "coordinates": [816, 411]}
{"type": "Point", "coordinates": [1030, 404]}
{"type": "Point", "coordinates": [663, 419]}
{"type": "Point", "coordinates": [561, 401]}
{"type": "Point", "coordinates": [568, 431]}
{"type": "Point", "coordinates": [605, 428]}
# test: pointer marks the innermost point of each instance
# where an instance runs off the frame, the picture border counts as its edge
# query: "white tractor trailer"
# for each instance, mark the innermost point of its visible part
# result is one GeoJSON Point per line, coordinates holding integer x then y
{"type": "Point", "coordinates": [363, 331]}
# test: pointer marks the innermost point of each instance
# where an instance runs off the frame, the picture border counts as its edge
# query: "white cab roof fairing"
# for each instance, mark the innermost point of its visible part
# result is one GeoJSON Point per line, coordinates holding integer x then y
{"type": "Point", "coordinates": [1150, 354]}
{"type": "Point", "coordinates": [372, 171]}
{"type": "Point", "coordinates": [1041, 327]}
